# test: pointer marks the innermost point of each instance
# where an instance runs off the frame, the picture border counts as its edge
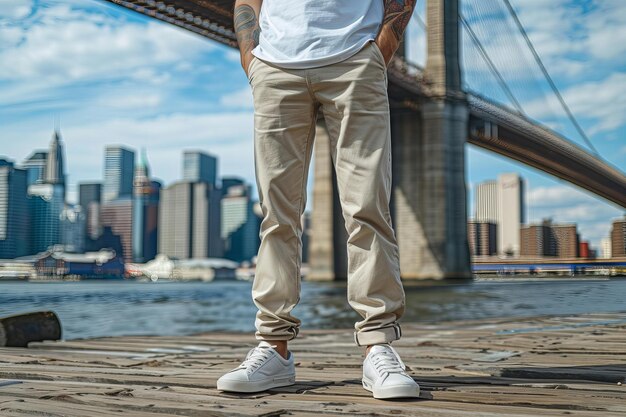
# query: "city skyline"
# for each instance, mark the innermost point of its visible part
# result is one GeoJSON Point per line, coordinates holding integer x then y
{"type": "Point", "coordinates": [184, 92]}
{"type": "Point", "coordinates": [487, 203]}
{"type": "Point", "coordinates": [126, 210]}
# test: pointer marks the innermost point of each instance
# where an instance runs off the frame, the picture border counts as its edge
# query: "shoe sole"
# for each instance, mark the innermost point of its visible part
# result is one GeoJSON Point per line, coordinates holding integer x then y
{"type": "Point", "coordinates": [256, 386]}
{"type": "Point", "coordinates": [393, 391]}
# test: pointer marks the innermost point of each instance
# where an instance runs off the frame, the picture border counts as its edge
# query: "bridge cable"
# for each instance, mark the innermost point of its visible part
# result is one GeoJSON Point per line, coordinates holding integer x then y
{"type": "Point", "coordinates": [549, 79]}
{"type": "Point", "coordinates": [491, 65]}
{"type": "Point", "coordinates": [491, 27]}
{"type": "Point", "coordinates": [485, 56]}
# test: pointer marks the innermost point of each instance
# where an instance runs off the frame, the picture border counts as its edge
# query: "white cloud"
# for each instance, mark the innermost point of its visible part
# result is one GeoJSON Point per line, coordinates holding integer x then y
{"type": "Point", "coordinates": [150, 76]}
{"type": "Point", "coordinates": [238, 99]}
{"type": "Point", "coordinates": [11, 35]}
{"type": "Point", "coordinates": [232, 55]}
{"type": "Point", "coordinates": [603, 101]}
{"type": "Point", "coordinates": [606, 31]}
{"type": "Point", "coordinates": [565, 204]}
{"type": "Point", "coordinates": [131, 100]}
{"type": "Point", "coordinates": [12, 9]}
{"type": "Point", "coordinates": [555, 196]}
{"type": "Point", "coordinates": [559, 28]}
{"type": "Point", "coordinates": [505, 45]}
{"type": "Point", "coordinates": [66, 46]}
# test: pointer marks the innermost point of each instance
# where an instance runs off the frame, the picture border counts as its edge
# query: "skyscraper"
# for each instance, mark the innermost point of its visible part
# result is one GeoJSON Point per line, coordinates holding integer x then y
{"type": "Point", "coordinates": [90, 199]}
{"type": "Point", "coordinates": [189, 221]}
{"type": "Point", "coordinates": [618, 238]}
{"type": "Point", "coordinates": [536, 240]}
{"type": "Point", "coordinates": [176, 220]}
{"type": "Point", "coordinates": [73, 228]}
{"type": "Point", "coordinates": [567, 240]}
{"type": "Point", "coordinates": [240, 225]}
{"type": "Point", "coordinates": [116, 215]}
{"type": "Point", "coordinates": [93, 225]}
{"type": "Point", "coordinates": [116, 210]}
{"type": "Point", "coordinates": [46, 204]}
{"type": "Point", "coordinates": [35, 166]}
{"type": "Point", "coordinates": [207, 241]}
{"type": "Point", "coordinates": [228, 182]}
{"type": "Point", "coordinates": [55, 164]}
{"type": "Point", "coordinates": [511, 213]}
{"type": "Point", "coordinates": [502, 202]}
{"type": "Point", "coordinates": [486, 202]}
{"type": "Point", "coordinates": [199, 166]}
{"type": "Point", "coordinates": [145, 212]}
{"type": "Point", "coordinates": [89, 192]}
{"type": "Point", "coordinates": [14, 214]}
{"type": "Point", "coordinates": [119, 167]}
{"type": "Point", "coordinates": [605, 248]}
{"type": "Point", "coordinates": [548, 239]}
{"type": "Point", "coordinates": [481, 237]}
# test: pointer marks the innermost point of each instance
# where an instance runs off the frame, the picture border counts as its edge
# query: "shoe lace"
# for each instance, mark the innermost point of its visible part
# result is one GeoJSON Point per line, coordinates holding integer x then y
{"type": "Point", "coordinates": [388, 361]}
{"type": "Point", "coordinates": [255, 358]}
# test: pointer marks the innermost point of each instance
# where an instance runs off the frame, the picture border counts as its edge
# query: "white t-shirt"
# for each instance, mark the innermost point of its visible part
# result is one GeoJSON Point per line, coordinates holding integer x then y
{"type": "Point", "coordinates": [311, 33]}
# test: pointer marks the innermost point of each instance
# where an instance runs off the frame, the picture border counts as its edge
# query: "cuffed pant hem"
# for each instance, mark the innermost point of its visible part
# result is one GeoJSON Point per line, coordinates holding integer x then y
{"type": "Point", "coordinates": [283, 337]}
{"type": "Point", "coordinates": [383, 335]}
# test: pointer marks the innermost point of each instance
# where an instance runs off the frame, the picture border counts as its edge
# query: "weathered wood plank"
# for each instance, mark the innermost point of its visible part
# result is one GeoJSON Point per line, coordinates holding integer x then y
{"type": "Point", "coordinates": [554, 365]}
{"type": "Point", "coordinates": [185, 400]}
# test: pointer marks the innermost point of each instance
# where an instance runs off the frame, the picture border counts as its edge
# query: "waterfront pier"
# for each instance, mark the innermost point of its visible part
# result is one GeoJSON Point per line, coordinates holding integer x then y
{"type": "Point", "coordinates": [539, 366]}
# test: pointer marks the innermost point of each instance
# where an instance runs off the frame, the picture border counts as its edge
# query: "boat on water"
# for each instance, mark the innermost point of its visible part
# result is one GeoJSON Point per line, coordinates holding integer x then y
{"type": "Point", "coordinates": [196, 269]}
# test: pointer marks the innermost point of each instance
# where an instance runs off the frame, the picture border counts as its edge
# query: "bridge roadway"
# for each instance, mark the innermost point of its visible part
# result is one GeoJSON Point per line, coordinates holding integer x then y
{"type": "Point", "coordinates": [491, 126]}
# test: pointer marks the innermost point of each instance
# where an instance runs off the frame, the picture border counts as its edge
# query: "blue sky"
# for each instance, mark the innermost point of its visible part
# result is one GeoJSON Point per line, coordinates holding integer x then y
{"type": "Point", "coordinates": [115, 77]}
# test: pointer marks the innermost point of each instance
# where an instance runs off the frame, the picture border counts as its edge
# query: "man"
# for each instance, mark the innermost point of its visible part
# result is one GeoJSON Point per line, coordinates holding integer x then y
{"type": "Point", "coordinates": [302, 58]}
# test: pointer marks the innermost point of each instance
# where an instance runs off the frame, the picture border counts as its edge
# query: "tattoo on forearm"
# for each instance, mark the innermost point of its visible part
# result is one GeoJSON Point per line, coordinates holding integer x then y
{"type": "Point", "coordinates": [397, 15]}
{"type": "Point", "coordinates": [246, 27]}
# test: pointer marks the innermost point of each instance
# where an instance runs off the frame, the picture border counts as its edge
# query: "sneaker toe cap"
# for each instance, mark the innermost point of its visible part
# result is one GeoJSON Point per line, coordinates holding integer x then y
{"type": "Point", "coordinates": [239, 375]}
{"type": "Point", "coordinates": [398, 380]}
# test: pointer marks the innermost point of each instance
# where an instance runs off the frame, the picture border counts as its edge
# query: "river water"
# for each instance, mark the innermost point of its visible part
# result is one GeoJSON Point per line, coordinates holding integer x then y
{"type": "Point", "coordinates": [91, 309]}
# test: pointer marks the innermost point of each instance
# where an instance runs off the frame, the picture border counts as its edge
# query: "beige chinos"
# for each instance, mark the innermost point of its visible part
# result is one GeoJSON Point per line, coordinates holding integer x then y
{"type": "Point", "coordinates": [352, 95]}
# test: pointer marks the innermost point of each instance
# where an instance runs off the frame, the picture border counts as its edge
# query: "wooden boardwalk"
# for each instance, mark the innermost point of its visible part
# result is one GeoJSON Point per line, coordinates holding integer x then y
{"type": "Point", "coordinates": [556, 365]}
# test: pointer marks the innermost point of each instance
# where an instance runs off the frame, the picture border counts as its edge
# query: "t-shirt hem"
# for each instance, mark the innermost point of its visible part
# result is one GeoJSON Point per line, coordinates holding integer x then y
{"type": "Point", "coordinates": [317, 62]}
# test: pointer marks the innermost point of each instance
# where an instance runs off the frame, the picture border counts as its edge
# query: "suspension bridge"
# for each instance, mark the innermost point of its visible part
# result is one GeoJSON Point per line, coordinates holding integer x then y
{"type": "Point", "coordinates": [434, 114]}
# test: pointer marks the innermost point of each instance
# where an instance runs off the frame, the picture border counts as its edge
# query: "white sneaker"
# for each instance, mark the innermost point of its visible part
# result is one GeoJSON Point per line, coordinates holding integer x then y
{"type": "Point", "coordinates": [263, 368]}
{"type": "Point", "coordinates": [385, 376]}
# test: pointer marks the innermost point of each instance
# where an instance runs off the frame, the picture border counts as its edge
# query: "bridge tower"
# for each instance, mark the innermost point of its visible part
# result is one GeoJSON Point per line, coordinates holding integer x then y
{"type": "Point", "coordinates": [431, 208]}
{"type": "Point", "coordinates": [429, 195]}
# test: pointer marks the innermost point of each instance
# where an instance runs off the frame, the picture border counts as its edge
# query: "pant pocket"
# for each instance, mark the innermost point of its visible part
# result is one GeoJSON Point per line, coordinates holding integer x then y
{"type": "Point", "coordinates": [251, 68]}
{"type": "Point", "coordinates": [378, 53]}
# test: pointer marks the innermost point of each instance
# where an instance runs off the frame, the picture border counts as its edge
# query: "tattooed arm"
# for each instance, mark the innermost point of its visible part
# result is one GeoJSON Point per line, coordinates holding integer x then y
{"type": "Point", "coordinates": [397, 16]}
{"type": "Point", "coordinates": [246, 22]}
